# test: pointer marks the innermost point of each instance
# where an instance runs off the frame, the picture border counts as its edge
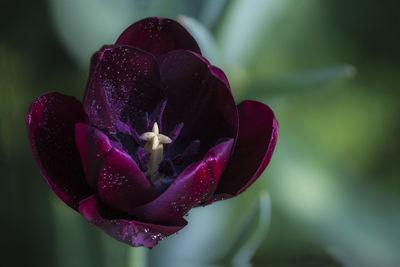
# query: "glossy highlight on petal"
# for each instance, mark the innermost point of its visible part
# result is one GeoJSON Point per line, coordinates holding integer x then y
{"type": "Point", "coordinates": [217, 158]}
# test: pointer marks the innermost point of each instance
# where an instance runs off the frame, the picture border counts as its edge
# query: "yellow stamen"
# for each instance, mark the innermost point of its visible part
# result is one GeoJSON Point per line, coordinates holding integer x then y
{"type": "Point", "coordinates": [154, 147]}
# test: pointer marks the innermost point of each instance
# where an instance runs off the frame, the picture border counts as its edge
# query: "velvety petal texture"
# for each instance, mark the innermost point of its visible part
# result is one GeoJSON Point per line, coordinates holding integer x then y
{"type": "Point", "coordinates": [51, 128]}
{"type": "Point", "coordinates": [157, 134]}
{"type": "Point", "coordinates": [158, 36]}
{"type": "Point", "coordinates": [198, 98]}
{"type": "Point", "coordinates": [132, 232]}
{"type": "Point", "coordinates": [257, 138]}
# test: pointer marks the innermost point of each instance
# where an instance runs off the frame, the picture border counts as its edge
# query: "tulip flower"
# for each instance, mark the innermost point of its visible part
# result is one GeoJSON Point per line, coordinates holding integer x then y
{"type": "Point", "coordinates": [157, 134]}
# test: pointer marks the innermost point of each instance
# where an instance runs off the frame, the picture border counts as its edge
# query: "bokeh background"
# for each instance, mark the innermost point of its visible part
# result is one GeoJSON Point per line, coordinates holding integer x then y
{"type": "Point", "coordinates": [329, 69]}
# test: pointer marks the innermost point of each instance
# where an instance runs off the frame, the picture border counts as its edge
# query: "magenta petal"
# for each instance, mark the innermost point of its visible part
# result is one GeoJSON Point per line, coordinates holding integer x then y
{"type": "Point", "coordinates": [51, 127]}
{"type": "Point", "coordinates": [122, 184]}
{"type": "Point", "coordinates": [92, 145]}
{"type": "Point", "coordinates": [258, 132]}
{"type": "Point", "coordinates": [129, 231]}
{"type": "Point", "coordinates": [217, 157]}
{"type": "Point", "coordinates": [198, 98]}
{"type": "Point", "coordinates": [123, 85]}
{"type": "Point", "coordinates": [189, 189]}
{"type": "Point", "coordinates": [158, 36]}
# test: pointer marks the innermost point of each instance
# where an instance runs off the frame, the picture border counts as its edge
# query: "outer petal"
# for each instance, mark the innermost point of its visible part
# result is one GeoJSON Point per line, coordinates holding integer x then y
{"type": "Point", "coordinates": [158, 36]}
{"type": "Point", "coordinates": [122, 184]}
{"type": "Point", "coordinates": [198, 98]}
{"type": "Point", "coordinates": [189, 189]}
{"type": "Point", "coordinates": [93, 146]}
{"type": "Point", "coordinates": [51, 121]}
{"type": "Point", "coordinates": [123, 85]}
{"type": "Point", "coordinates": [258, 132]}
{"type": "Point", "coordinates": [125, 229]}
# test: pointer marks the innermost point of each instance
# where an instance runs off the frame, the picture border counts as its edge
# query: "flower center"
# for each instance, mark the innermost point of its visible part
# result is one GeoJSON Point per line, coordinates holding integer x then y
{"type": "Point", "coordinates": [154, 147]}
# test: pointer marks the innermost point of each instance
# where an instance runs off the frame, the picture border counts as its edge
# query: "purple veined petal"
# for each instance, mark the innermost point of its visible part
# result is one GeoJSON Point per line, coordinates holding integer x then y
{"type": "Point", "coordinates": [187, 191]}
{"type": "Point", "coordinates": [198, 98]}
{"type": "Point", "coordinates": [158, 36]}
{"type": "Point", "coordinates": [258, 132]}
{"type": "Point", "coordinates": [123, 85]}
{"type": "Point", "coordinates": [122, 185]}
{"type": "Point", "coordinates": [156, 115]}
{"type": "Point", "coordinates": [174, 133]}
{"type": "Point", "coordinates": [126, 230]}
{"type": "Point", "coordinates": [51, 128]}
{"type": "Point", "coordinates": [93, 146]}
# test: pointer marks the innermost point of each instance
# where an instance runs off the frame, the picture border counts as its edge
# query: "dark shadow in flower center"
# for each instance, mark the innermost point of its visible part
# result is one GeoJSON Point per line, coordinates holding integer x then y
{"type": "Point", "coordinates": [176, 155]}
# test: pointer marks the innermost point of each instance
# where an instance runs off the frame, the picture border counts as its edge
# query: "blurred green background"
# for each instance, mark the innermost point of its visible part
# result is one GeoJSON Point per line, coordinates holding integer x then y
{"type": "Point", "coordinates": [330, 71]}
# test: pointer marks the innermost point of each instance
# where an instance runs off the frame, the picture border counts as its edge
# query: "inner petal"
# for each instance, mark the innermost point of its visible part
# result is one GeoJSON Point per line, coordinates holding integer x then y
{"type": "Point", "coordinates": [198, 98]}
{"type": "Point", "coordinates": [116, 85]}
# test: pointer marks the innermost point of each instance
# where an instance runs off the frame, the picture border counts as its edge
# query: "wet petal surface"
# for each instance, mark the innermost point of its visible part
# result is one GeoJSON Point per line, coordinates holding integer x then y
{"type": "Point", "coordinates": [123, 85]}
{"type": "Point", "coordinates": [122, 184]}
{"type": "Point", "coordinates": [123, 228]}
{"type": "Point", "coordinates": [187, 191]}
{"type": "Point", "coordinates": [51, 129]}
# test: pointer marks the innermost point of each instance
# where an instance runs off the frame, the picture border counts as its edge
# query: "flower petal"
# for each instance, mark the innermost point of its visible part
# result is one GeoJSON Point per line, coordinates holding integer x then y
{"type": "Point", "coordinates": [122, 184]}
{"type": "Point", "coordinates": [188, 190]}
{"type": "Point", "coordinates": [125, 229]}
{"type": "Point", "coordinates": [51, 122]}
{"type": "Point", "coordinates": [198, 98]}
{"type": "Point", "coordinates": [123, 85]}
{"type": "Point", "coordinates": [258, 132]}
{"type": "Point", "coordinates": [158, 36]}
{"type": "Point", "coordinates": [93, 146]}
{"type": "Point", "coordinates": [217, 72]}
{"type": "Point", "coordinates": [217, 158]}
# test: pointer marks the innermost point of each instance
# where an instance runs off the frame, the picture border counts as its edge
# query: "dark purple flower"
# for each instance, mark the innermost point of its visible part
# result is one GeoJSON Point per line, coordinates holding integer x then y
{"type": "Point", "coordinates": [157, 134]}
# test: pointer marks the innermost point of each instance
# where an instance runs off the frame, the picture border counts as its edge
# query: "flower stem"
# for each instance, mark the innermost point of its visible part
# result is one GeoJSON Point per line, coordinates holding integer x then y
{"type": "Point", "coordinates": [137, 257]}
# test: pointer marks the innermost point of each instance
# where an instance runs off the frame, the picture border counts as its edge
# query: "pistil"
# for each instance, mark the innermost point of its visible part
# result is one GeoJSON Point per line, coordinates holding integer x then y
{"type": "Point", "coordinates": [154, 147]}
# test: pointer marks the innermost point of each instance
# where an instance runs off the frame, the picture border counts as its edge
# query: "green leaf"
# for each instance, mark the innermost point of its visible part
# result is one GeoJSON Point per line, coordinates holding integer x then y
{"type": "Point", "coordinates": [211, 12]}
{"type": "Point", "coordinates": [302, 82]}
{"type": "Point", "coordinates": [84, 26]}
{"type": "Point", "coordinates": [251, 233]}
{"type": "Point", "coordinates": [77, 242]}
{"type": "Point", "coordinates": [246, 25]}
